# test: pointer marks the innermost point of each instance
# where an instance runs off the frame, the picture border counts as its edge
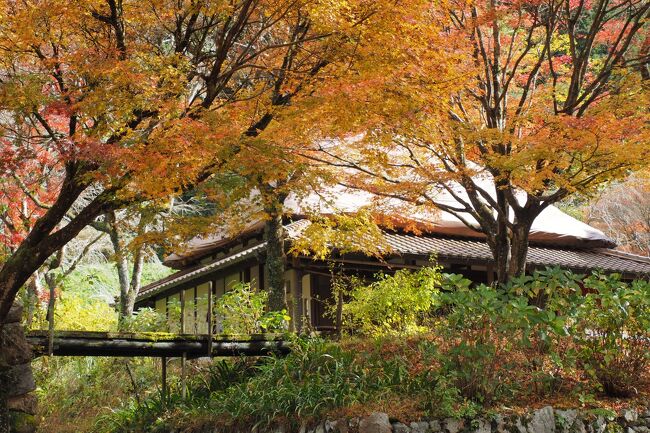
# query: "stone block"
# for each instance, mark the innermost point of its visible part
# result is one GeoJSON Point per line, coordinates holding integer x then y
{"type": "Point", "coordinates": [376, 422]}
{"type": "Point", "coordinates": [15, 349]}
{"type": "Point", "coordinates": [23, 403]}
{"type": "Point", "coordinates": [435, 426]}
{"type": "Point", "coordinates": [630, 415]}
{"type": "Point", "coordinates": [579, 425]}
{"type": "Point", "coordinates": [338, 426]}
{"type": "Point", "coordinates": [453, 425]}
{"type": "Point", "coordinates": [481, 426]}
{"type": "Point", "coordinates": [565, 420]}
{"type": "Point", "coordinates": [19, 380]}
{"type": "Point", "coordinates": [499, 424]}
{"type": "Point", "coordinates": [329, 426]}
{"type": "Point", "coordinates": [399, 427]}
{"type": "Point", "coordinates": [542, 421]}
{"type": "Point", "coordinates": [519, 426]}
{"type": "Point", "coordinates": [599, 424]}
{"type": "Point", "coordinates": [419, 427]}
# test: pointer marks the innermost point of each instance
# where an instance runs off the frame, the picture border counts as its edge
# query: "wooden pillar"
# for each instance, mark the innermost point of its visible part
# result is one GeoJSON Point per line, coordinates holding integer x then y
{"type": "Point", "coordinates": [163, 365]}
{"type": "Point", "coordinates": [195, 311]}
{"type": "Point", "coordinates": [182, 328]}
{"type": "Point", "coordinates": [210, 329]}
{"type": "Point", "coordinates": [184, 357]}
{"type": "Point", "coordinates": [490, 274]}
{"type": "Point", "coordinates": [183, 376]}
{"type": "Point", "coordinates": [300, 308]}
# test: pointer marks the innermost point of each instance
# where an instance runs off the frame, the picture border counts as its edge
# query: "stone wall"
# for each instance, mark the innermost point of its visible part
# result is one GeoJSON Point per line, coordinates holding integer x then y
{"type": "Point", "coordinates": [545, 420]}
{"type": "Point", "coordinates": [17, 403]}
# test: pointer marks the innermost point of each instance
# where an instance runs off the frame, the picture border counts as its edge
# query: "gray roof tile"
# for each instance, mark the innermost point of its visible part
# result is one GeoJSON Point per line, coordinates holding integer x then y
{"type": "Point", "coordinates": [444, 248]}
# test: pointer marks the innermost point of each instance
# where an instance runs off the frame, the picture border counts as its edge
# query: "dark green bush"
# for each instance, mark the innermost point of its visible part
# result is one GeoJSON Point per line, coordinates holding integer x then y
{"type": "Point", "coordinates": [462, 351]}
{"type": "Point", "coordinates": [495, 344]}
{"type": "Point", "coordinates": [612, 333]}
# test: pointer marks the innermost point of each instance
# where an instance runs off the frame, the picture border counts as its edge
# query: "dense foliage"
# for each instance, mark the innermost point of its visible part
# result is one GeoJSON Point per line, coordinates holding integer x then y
{"type": "Point", "coordinates": [73, 390]}
{"type": "Point", "coordinates": [465, 350]}
{"type": "Point", "coordinates": [84, 300]}
{"type": "Point", "coordinates": [244, 310]}
{"type": "Point", "coordinates": [500, 110]}
{"type": "Point", "coordinates": [394, 304]}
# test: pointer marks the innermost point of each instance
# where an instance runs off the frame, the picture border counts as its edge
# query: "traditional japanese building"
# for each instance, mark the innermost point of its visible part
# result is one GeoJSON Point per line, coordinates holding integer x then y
{"type": "Point", "coordinates": [210, 266]}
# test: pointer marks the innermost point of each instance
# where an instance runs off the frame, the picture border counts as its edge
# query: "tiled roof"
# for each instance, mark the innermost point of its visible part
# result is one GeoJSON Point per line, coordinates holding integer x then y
{"type": "Point", "coordinates": [444, 248]}
{"type": "Point", "coordinates": [551, 227]}
{"type": "Point", "coordinates": [293, 230]}
{"type": "Point", "coordinates": [198, 271]}
{"type": "Point", "coordinates": [604, 259]}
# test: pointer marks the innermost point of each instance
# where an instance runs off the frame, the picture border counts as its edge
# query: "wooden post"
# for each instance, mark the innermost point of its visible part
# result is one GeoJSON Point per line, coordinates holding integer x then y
{"type": "Point", "coordinates": [163, 362]}
{"type": "Point", "coordinates": [195, 310]}
{"type": "Point", "coordinates": [50, 317]}
{"type": "Point", "coordinates": [183, 376]}
{"type": "Point", "coordinates": [490, 274]}
{"type": "Point", "coordinates": [210, 330]}
{"type": "Point", "coordinates": [184, 357]}
{"type": "Point", "coordinates": [182, 312]}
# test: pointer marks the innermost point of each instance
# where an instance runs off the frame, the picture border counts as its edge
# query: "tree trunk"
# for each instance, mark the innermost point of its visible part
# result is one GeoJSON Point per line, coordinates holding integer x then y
{"type": "Point", "coordinates": [43, 241]}
{"type": "Point", "coordinates": [122, 267]}
{"type": "Point", "coordinates": [33, 289]}
{"type": "Point", "coordinates": [134, 286]}
{"type": "Point", "coordinates": [518, 249]}
{"type": "Point", "coordinates": [129, 287]}
{"type": "Point", "coordinates": [501, 248]}
{"type": "Point", "coordinates": [51, 304]}
{"type": "Point", "coordinates": [53, 281]}
{"type": "Point", "coordinates": [17, 404]}
{"type": "Point", "coordinates": [501, 254]}
{"type": "Point", "coordinates": [275, 262]}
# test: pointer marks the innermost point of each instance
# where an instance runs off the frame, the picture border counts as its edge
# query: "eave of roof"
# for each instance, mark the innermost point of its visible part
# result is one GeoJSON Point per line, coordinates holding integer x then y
{"type": "Point", "coordinates": [552, 227]}
{"type": "Point", "coordinates": [197, 271]}
{"type": "Point", "coordinates": [444, 248]}
{"type": "Point", "coordinates": [604, 259]}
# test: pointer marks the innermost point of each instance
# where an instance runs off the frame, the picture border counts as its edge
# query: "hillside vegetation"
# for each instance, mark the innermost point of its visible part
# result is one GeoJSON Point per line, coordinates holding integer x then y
{"type": "Point", "coordinates": [417, 344]}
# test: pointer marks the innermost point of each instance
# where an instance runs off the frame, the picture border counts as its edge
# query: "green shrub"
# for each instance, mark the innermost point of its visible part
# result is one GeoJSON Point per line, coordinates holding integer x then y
{"type": "Point", "coordinates": [315, 377]}
{"type": "Point", "coordinates": [76, 312]}
{"type": "Point", "coordinates": [146, 320]}
{"type": "Point", "coordinates": [496, 344]}
{"type": "Point", "coordinates": [484, 347]}
{"type": "Point", "coordinates": [394, 304]}
{"type": "Point", "coordinates": [71, 390]}
{"type": "Point", "coordinates": [242, 310]}
{"type": "Point", "coordinates": [612, 333]}
{"type": "Point", "coordinates": [552, 288]}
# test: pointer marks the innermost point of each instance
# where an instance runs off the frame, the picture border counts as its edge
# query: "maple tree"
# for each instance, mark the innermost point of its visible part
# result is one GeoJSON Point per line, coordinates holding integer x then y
{"type": "Point", "coordinates": [492, 111]}
{"type": "Point", "coordinates": [125, 101]}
